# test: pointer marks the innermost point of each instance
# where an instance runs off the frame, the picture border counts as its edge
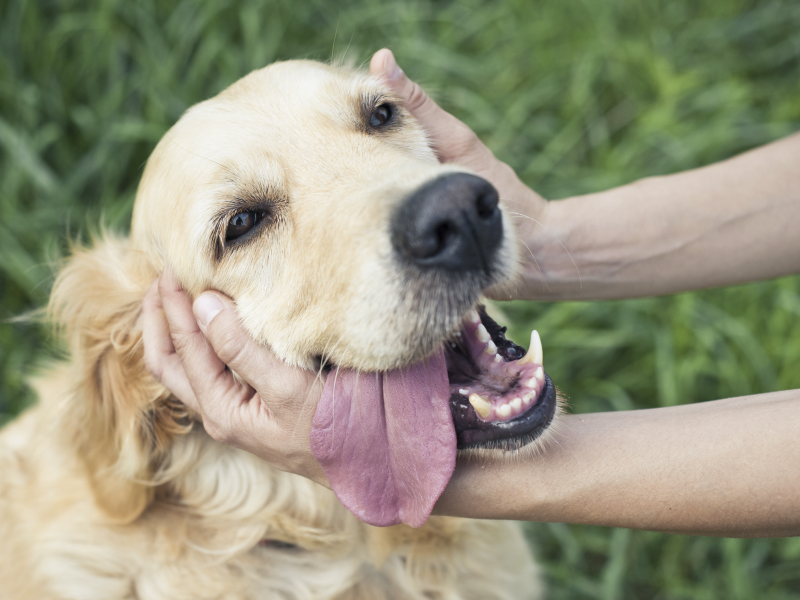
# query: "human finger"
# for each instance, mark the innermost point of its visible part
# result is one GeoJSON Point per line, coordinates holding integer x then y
{"type": "Point", "coordinates": [283, 385]}
{"type": "Point", "coordinates": [160, 357]}
{"type": "Point", "coordinates": [213, 384]}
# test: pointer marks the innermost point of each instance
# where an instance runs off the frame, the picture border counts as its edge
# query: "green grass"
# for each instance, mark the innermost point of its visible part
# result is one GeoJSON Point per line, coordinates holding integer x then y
{"type": "Point", "coordinates": [576, 95]}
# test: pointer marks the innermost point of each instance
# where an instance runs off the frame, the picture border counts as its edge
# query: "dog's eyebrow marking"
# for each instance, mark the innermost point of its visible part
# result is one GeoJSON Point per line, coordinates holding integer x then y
{"type": "Point", "coordinates": [263, 198]}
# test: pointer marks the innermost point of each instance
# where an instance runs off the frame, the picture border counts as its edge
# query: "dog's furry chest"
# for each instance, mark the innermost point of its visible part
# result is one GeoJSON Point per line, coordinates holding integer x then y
{"type": "Point", "coordinates": [226, 525]}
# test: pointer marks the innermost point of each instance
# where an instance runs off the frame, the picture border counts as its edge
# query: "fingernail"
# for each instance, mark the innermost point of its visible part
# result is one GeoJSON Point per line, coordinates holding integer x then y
{"type": "Point", "coordinates": [206, 307]}
{"type": "Point", "coordinates": [390, 67]}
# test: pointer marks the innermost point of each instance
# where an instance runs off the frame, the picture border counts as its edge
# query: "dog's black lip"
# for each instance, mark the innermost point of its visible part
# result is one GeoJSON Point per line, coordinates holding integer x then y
{"type": "Point", "coordinates": [527, 427]}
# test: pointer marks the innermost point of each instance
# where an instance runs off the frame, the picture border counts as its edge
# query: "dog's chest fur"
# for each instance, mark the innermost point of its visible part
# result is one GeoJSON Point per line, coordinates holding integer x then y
{"type": "Point", "coordinates": [228, 526]}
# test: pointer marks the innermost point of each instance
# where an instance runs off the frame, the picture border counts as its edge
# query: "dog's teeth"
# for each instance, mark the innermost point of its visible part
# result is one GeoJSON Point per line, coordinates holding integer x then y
{"type": "Point", "coordinates": [490, 349]}
{"type": "Point", "coordinates": [463, 392]}
{"type": "Point", "coordinates": [535, 354]}
{"type": "Point", "coordinates": [504, 410]}
{"type": "Point", "coordinates": [531, 383]}
{"type": "Point", "coordinates": [516, 403]}
{"type": "Point", "coordinates": [481, 405]}
{"type": "Point", "coordinates": [539, 374]}
{"type": "Point", "coordinates": [498, 358]}
{"type": "Point", "coordinates": [482, 334]}
{"type": "Point", "coordinates": [473, 316]}
{"type": "Point", "coordinates": [527, 398]}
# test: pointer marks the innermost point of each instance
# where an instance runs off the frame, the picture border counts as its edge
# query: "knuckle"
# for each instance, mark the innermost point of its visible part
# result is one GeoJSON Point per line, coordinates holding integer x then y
{"type": "Point", "coordinates": [183, 343]}
{"type": "Point", "coordinates": [417, 98]}
{"type": "Point", "coordinates": [228, 344]}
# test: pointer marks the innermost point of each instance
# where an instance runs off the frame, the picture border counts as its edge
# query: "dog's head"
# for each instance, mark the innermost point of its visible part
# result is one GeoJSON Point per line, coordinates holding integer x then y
{"type": "Point", "coordinates": [310, 196]}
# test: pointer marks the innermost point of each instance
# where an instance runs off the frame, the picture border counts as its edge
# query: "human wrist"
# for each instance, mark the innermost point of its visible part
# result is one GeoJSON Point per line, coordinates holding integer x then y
{"type": "Point", "coordinates": [581, 245]}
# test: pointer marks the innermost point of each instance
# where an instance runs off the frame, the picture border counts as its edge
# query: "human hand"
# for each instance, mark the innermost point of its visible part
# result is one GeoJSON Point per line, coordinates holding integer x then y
{"type": "Point", "coordinates": [188, 354]}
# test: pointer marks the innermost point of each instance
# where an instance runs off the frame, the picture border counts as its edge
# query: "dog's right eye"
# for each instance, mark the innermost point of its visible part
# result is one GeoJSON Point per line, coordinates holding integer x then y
{"type": "Point", "coordinates": [240, 224]}
{"type": "Point", "coordinates": [381, 115]}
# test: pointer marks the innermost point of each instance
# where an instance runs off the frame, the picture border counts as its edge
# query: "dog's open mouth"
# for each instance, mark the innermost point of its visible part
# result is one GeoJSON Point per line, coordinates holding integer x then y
{"type": "Point", "coordinates": [500, 396]}
{"type": "Point", "coordinates": [387, 441]}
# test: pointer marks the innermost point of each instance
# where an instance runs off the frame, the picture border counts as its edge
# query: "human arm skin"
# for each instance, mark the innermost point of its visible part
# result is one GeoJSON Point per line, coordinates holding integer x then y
{"type": "Point", "coordinates": [731, 222]}
{"type": "Point", "coordinates": [723, 468]}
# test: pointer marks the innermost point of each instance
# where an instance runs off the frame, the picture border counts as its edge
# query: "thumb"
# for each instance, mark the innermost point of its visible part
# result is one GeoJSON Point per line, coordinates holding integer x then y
{"type": "Point", "coordinates": [219, 321]}
{"type": "Point", "coordinates": [274, 410]}
{"type": "Point", "coordinates": [256, 364]}
{"type": "Point", "coordinates": [416, 100]}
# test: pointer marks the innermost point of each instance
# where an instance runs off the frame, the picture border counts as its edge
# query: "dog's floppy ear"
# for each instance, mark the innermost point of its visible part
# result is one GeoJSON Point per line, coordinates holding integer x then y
{"type": "Point", "coordinates": [122, 420]}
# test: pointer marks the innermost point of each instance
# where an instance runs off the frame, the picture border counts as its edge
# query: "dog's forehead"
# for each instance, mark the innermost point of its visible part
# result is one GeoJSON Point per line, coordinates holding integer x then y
{"type": "Point", "coordinates": [294, 115]}
{"type": "Point", "coordinates": [298, 97]}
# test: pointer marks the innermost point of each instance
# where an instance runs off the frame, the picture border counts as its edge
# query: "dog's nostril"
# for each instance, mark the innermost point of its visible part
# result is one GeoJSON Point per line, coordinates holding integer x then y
{"type": "Point", "coordinates": [426, 246]}
{"type": "Point", "coordinates": [487, 205]}
{"type": "Point", "coordinates": [444, 233]}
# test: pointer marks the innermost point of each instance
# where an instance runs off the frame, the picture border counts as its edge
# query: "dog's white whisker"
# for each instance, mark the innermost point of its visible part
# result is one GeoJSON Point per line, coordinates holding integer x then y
{"type": "Point", "coordinates": [577, 270]}
{"type": "Point", "coordinates": [538, 267]}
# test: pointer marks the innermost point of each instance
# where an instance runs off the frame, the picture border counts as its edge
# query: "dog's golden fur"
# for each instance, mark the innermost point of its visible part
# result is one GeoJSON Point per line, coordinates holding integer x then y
{"type": "Point", "coordinates": [109, 489]}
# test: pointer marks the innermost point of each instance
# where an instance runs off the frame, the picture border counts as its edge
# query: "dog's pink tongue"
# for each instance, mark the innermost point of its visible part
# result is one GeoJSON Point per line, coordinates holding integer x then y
{"type": "Point", "coordinates": [386, 441]}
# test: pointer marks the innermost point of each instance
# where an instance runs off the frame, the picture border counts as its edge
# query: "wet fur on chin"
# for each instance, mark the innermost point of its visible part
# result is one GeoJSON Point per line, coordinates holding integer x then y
{"type": "Point", "coordinates": [109, 489]}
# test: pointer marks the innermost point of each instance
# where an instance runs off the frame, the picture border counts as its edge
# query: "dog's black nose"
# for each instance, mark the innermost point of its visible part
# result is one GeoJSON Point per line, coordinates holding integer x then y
{"type": "Point", "coordinates": [451, 223]}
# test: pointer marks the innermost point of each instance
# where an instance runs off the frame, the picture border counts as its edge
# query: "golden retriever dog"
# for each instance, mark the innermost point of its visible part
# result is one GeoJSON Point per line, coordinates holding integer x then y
{"type": "Point", "coordinates": [310, 196]}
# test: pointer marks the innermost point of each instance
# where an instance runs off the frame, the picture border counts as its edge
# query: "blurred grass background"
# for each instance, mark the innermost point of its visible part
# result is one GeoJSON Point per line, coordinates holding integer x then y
{"type": "Point", "coordinates": [577, 95]}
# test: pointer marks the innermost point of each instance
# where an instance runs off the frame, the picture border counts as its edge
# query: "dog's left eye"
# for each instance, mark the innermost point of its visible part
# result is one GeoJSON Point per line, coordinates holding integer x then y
{"type": "Point", "coordinates": [380, 115]}
{"type": "Point", "coordinates": [241, 223]}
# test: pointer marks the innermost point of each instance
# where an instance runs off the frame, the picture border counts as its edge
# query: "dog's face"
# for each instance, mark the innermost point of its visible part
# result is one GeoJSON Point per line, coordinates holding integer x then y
{"type": "Point", "coordinates": [310, 196]}
{"type": "Point", "coordinates": [290, 193]}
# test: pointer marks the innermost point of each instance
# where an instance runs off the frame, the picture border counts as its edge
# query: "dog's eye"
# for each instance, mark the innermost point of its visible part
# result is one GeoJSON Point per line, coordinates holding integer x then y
{"type": "Point", "coordinates": [241, 223]}
{"type": "Point", "coordinates": [380, 115]}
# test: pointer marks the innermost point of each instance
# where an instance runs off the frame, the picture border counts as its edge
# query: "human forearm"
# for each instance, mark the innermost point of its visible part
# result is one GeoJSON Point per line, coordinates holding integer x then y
{"type": "Point", "coordinates": [731, 222]}
{"type": "Point", "coordinates": [726, 468]}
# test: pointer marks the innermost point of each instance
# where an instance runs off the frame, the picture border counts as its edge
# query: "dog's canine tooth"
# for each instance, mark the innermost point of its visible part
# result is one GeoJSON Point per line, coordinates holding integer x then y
{"type": "Point", "coordinates": [535, 353]}
{"type": "Point", "coordinates": [482, 334]}
{"type": "Point", "coordinates": [481, 405]}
